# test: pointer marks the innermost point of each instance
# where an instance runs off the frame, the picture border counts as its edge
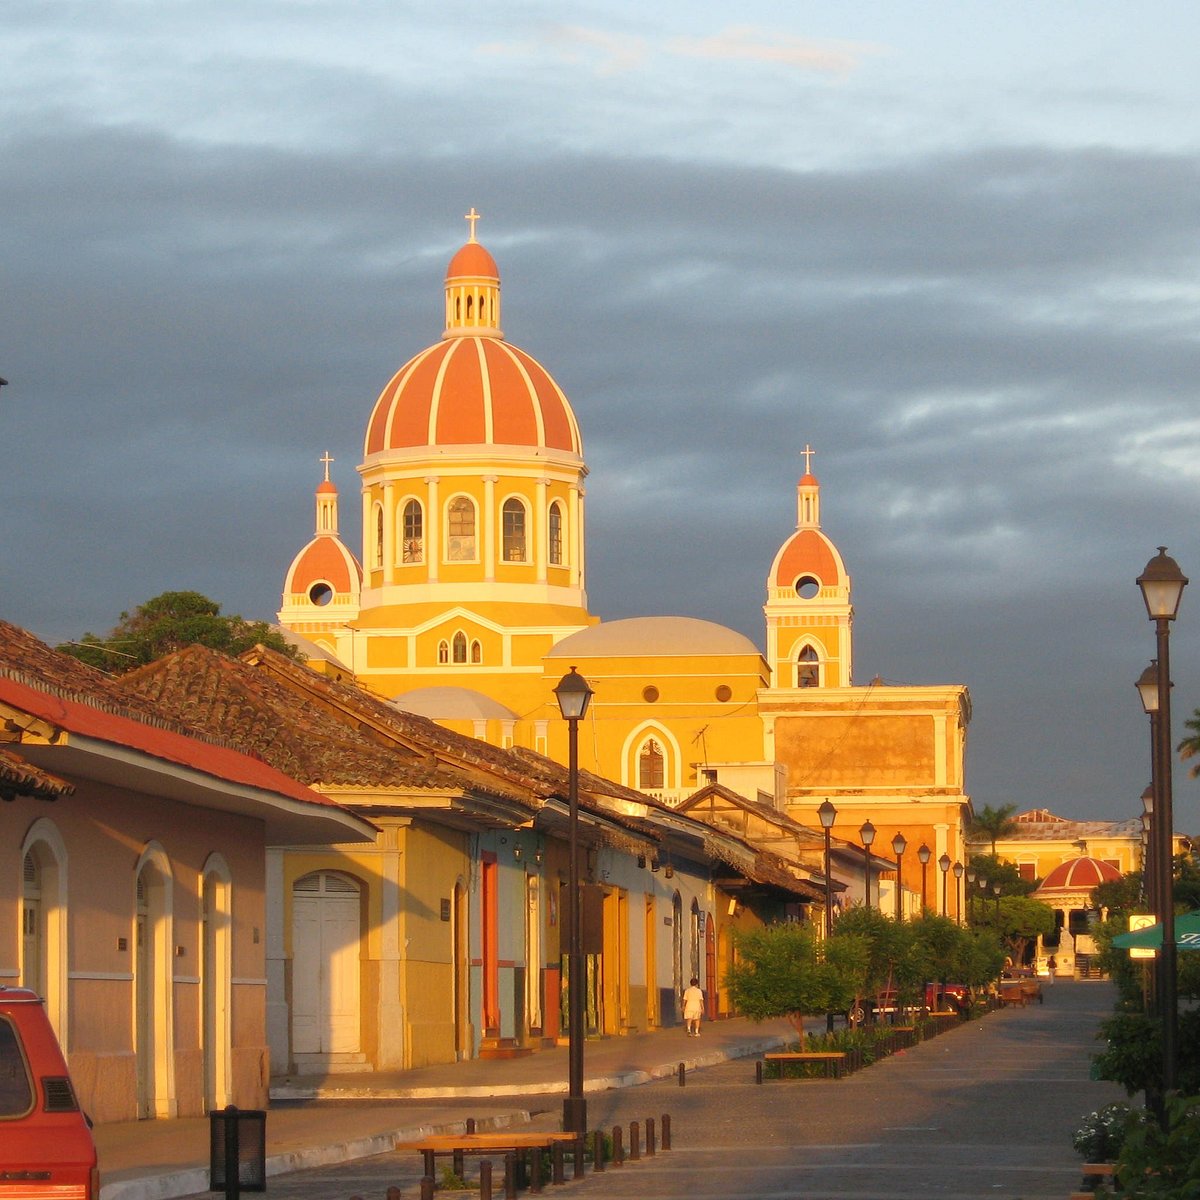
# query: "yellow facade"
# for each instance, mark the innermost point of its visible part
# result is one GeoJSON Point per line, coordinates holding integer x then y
{"type": "Point", "coordinates": [473, 604]}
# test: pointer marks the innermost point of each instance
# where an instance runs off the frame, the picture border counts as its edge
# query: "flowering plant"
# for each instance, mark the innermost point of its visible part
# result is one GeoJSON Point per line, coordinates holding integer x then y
{"type": "Point", "coordinates": [1100, 1137]}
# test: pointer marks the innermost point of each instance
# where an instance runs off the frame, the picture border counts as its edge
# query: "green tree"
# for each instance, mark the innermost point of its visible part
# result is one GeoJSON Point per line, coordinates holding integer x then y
{"type": "Point", "coordinates": [1006, 874]}
{"type": "Point", "coordinates": [1019, 922]}
{"type": "Point", "coordinates": [1189, 747]}
{"type": "Point", "coordinates": [168, 623]}
{"type": "Point", "coordinates": [889, 964]}
{"type": "Point", "coordinates": [993, 824]}
{"type": "Point", "coordinates": [785, 970]}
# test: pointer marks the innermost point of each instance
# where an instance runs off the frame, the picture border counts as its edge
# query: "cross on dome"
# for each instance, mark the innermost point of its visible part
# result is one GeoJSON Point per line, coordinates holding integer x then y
{"type": "Point", "coordinates": [327, 459]}
{"type": "Point", "coordinates": [472, 217]}
{"type": "Point", "coordinates": [808, 452]}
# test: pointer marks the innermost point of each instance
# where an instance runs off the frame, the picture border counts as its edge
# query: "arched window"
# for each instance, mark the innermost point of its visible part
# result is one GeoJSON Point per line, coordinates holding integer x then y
{"type": "Point", "coordinates": [650, 766]}
{"type": "Point", "coordinates": [476, 652]}
{"type": "Point", "coordinates": [460, 545]}
{"type": "Point", "coordinates": [556, 541]}
{"type": "Point", "coordinates": [808, 668]}
{"type": "Point", "coordinates": [470, 307]}
{"type": "Point", "coordinates": [514, 530]}
{"type": "Point", "coordinates": [443, 652]}
{"type": "Point", "coordinates": [413, 548]}
{"type": "Point", "coordinates": [459, 647]}
{"type": "Point", "coordinates": [378, 536]}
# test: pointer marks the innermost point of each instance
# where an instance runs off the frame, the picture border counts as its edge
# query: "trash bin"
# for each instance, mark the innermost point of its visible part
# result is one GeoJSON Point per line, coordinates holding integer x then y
{"type": "Point", "coordinates": [237, 1151]}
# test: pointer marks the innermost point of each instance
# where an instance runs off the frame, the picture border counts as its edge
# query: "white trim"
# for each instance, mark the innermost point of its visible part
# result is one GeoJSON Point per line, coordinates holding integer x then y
{"type": "Point", "coordinates": [238, 981]}
{"type": "Point", "coordinates": [186, 979]}
{"type": "Point", "coordinates": [103, 976]}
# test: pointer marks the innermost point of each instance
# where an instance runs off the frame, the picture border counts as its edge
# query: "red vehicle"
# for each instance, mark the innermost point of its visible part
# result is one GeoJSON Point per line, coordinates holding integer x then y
{"type": "Point", "coordinates": [938, 997]}
{"type": "Point", "coordinates": [46, 1146]}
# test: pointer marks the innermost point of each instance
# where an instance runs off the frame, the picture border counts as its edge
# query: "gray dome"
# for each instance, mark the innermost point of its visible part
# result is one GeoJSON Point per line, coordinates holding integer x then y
{"type": "Point", "coordinates": [452, 703]}
{"type": "Point", "coordinates": [647, 636]}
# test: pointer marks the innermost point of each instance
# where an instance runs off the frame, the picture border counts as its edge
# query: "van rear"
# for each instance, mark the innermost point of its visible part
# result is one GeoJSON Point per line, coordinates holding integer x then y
{"type": "Point", "coordinates": [46, 1146]}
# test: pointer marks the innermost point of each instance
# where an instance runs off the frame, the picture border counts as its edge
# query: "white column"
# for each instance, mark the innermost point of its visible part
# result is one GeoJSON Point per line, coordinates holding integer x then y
{"type": "Point", "coordinates": [541, 528]}
{"type": "Point", "coordinates": [389, 533]}
{"type": "Point", "coordinates": [392, 1035]}
{"type": "Point", "coordinates": [433, 527]}
{"type": "Point", "coordinates": [489, 528]}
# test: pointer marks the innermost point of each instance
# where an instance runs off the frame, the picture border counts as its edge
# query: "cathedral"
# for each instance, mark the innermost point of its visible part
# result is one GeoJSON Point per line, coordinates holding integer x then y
{"type": "Point", "coordinates": [469, 603]}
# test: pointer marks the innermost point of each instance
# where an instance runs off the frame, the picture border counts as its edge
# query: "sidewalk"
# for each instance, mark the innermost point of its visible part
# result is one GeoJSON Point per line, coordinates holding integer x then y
{"type": "Point", "coordinates": [321, 1120]}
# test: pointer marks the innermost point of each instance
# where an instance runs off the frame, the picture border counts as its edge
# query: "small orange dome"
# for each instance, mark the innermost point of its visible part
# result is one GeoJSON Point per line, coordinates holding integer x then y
{"type": "Point", "coordinates": [807, 552]}
{"type": "Point", "coordinates": [472, 262]}
{"type": "Point", "coordinates": [1080, 875]}
{"type": "Point", "coordinates": [324, 560]}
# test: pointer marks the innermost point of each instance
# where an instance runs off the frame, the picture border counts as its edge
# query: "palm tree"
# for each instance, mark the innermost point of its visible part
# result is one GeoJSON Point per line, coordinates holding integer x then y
{"type": "Point", "coordinates": [1190, 746]}
{"type": "Point", "coordinates": [994, 823]}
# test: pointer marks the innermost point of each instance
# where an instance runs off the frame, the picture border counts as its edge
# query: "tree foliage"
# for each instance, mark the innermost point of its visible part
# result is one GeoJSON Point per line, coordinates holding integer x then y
{"type": "Point", "coordinates": [1000, 870]}
{"type": "Point", "coordinates": [1019, 921]}
{"type": "Point", "coordinates": [786, 970]}
{"type": "Point", "coordinates": [168, 623]}
{"type": "Point", "coordinates": [993, 824]}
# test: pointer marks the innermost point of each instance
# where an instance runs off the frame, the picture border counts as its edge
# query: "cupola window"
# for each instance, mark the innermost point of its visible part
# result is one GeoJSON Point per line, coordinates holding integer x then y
{"type": "Point", "coordinates": [556, 539]}
{"type": "Point", "coordinates": [808, 668]}
{"type": "Point", "coordinates": [413, 549]}
{"type": "Point", "coordinates": [378, 535]}
{"type": "Point", "coordinates": [460, 545]}
{"type": "Point", "coordinates": [808, 588]}
{"type": "Point", "coordinates": [459, 647]}
{"type": "Point", "coordinates": [476, 652]}
{"type": "Point", "coordinates": [514, 530]}
{"type": "Point", "coordinates": [443, 652]}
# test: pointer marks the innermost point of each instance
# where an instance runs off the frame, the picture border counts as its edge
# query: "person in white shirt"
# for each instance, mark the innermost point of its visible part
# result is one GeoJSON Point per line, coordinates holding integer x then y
{"type": "Point", "coordinates": [693, 1008]}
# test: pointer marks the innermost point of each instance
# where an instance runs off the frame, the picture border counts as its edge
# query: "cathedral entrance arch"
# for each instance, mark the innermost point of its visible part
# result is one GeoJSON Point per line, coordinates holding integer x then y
{"type": "Point", "coordinates": [326, 935]}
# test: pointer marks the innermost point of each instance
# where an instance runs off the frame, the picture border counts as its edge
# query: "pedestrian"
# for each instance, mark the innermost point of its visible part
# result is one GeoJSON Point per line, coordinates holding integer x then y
{"type": "Point", "coordinates": [693, 1008]}
{"type": "Point", "coordinates": [1051, 967]}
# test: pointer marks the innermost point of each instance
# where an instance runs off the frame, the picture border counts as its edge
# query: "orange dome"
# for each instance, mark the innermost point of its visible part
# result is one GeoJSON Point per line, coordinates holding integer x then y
{"type": "Point", "coordinates": [472, 391]}
{"type": "Point", "coordinates": [324, 560]}
{"type": "Point", "coordinates": [807, 552]}
{"type": "Point", "coordinates": [472, 262]}
{"type": "Point", "coordinates": [1080, 875]}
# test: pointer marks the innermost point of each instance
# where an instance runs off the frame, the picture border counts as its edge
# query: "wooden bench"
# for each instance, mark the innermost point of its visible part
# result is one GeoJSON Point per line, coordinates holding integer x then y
{"type": "Point", "coordinates": [485, 1145]}
{"type": "Point", "coordinates": [1013, 993]}
{"type": "Point", "coordinates": [834, 1061]}
{"type": "Point", "coordinates": [1098, 1171]}
{"type": "Point", "coordinates": [1031, 989]}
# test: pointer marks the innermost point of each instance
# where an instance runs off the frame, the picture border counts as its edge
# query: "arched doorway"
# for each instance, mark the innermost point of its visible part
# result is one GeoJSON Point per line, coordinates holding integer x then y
{"type": "Point", "coordinates": [326, 933]}
{"type": "Point", "coordinates": [677, 953]}
{"type": "Point", "coordinates": [43, 947]}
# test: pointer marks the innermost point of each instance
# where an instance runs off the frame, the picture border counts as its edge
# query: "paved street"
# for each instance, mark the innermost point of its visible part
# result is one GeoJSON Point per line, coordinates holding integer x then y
{"type": "Point", "coordinates": [987, 1110]}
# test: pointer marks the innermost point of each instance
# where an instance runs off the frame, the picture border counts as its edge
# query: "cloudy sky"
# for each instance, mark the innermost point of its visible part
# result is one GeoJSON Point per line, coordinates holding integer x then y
{"type": "Point", "coordinates": [954, 246]}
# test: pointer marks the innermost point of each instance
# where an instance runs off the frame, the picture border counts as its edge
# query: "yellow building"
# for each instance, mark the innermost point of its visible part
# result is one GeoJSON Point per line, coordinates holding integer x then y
{"type": "Point", "coordinates": [470, 604]}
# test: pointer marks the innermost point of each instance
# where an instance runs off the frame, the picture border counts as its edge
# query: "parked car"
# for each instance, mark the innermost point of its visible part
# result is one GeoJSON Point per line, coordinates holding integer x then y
{"type": "Point", "coordinates": [46, 1146]}
{"type": "Point", "coordinates": [938, 996]}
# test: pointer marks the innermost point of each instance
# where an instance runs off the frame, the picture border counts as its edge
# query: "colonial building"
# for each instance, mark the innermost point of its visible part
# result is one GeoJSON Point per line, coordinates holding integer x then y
{"type": "Point", "coordinates": [469, 602]}
{"type": "Point", "coordinates": [133, 886]}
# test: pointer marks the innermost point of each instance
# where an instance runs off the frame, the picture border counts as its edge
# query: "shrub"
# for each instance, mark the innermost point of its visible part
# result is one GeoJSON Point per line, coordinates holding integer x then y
{"type": "Point", "coordinates": [1101, 1135]}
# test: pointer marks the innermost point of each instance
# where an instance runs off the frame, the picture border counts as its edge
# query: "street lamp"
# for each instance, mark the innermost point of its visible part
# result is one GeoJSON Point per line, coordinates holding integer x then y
{"type": "Point", "coordinates": [574, 695]}
{"type": "Point", "coordinates": [970, 895]}
{"type": "Point", "coordinates": [1149, 878]}
{"type": "Point", "coordinates": [827, 814]}
{"type": "Point", "coordinates": [1162, 584]}
{"type": "Point", "coordinates": [958, 905]}
{"type": "Point", "coordinates": [899, 845]}
{"type": "Point", "coordinates": [944, 866]}
{"type": "Point", "coordinates": [996, 894]}
{"type": "Point", "coordinates": [924, 854]}
{"type": "Point", "coordinates": [867, 833]}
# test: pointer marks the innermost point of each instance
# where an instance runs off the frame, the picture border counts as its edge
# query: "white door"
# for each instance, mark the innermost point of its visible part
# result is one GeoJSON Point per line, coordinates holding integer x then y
{"type": "Point", "coordinates": [325, 965]}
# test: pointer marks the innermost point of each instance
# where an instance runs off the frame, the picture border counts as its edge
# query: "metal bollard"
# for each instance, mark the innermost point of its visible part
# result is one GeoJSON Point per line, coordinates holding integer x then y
{"type": "Point", "coordinates": [535, 1169]}
{"type": "Point", "coordinates": [510, 1176]}
{"type": "Point", "coordinates": [682, 1075]}
{"type": "Point", "coordinates": [457, 1164]}
{"type": "Point", "coordinates": [598, 1150]}
{"type": "Point", "coordinates": [758, 1071]}
{"type": "Point", "coordinates": [470, 1124]}
{"type": "Point", "coordinates": [556, 1164]}
{"type": "Point", "coordinates": [666, 1131]}
{"type": "Point", "coordinates": [427, 1187]}
{"type": "Point", "coordinates": [618, 1147]}
{"type": "Point", "coordinates": [485, 1179]}
{"type": "Point", "coordinates": [577, 1147]}
{"type": "Point", "coordinates": [393, 1193]}
{"type": "Point", "coordinates": [635, 1141]}
{"type": "Point", "coordinates": [651, 1148]}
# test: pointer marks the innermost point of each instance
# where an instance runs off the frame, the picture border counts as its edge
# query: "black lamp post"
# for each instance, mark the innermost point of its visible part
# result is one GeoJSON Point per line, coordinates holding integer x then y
{"type": "Point", "coordinates": [827, 814]}
{"type": "Point", "coordinates": [573, 696]}
{"type": "Point", "coordinates": [970, 896]}
{"type": "Point", "coordinates": [996, 897]}
{"type": "Point", "coordinates": [924, 854]}
{"type": "Point", "coordinates": [867, 833]}
{"type": "Point", "coordinates": [944, 867]}
{"type": "Point", "coordinates": [958, 905]}
{"type": "Point", "coordinates": [1162, 584]}
{"type": "Point", "coordinates": [899, 845]}
{"type": "Point", "coordinates": [1148, 880]}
